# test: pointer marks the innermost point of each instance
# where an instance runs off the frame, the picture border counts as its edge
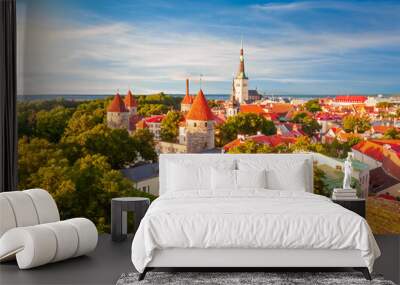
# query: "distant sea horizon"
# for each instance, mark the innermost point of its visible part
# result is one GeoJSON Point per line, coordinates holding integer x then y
{"type": "Point", "coordinates": [86, 97]}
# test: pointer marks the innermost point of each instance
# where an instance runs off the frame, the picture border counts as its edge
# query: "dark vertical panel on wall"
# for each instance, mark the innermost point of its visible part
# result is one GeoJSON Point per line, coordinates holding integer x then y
{"type": "Point", "coordinates": [8, 96]}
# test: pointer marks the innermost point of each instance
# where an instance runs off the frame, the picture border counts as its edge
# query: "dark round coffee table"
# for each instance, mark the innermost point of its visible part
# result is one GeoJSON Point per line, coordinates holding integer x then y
{"type": "Point", "coordinates": [119, 208]}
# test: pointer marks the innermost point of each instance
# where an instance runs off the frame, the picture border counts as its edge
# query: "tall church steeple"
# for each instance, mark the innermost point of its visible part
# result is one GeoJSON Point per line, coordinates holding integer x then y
{"type": "Point", "coordinates": [241, 88]}
{"type": "Point", "coordinates": [241, 73]}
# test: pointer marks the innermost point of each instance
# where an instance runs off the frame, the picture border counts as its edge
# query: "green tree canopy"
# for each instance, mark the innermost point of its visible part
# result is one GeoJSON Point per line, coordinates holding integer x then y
{"type": "Point", "coordinates": [299, 117]}
{"type": "Point", "coordinates": [170, 126]}
{"type": "Point", "coordinates": [320, 187]}
{"type": "Point", "coordinates": [354, 123]}
{"type": "Point", "coordinates": [51, 124]}
{"type": "Point", "coordinates": [81, 170]}
{"type": "Point", "coordinates": [33, 154]}
{"type": "Point", "coordinates": [302, 143]}
{"type": "Point", "coordinates": [313, 106]}
{"type": "Point", "coordinates": [250, 146]}
{"type": "Point", "coordinates": [308, 124]}
{"type": "Point", "coordinates": [246, 124]}
{"type": "Point", "coordinates": [144, 142]}
{"type": "Point", "coordinates": [161, 99]}
{"type": "Point", "coordinates": [115, 144]}
{"type": "Point", "coordinates": [392, 133]}
{"type": "Point", "coordinates": [147, 110]}
{"type": "Point", "coordinates": [86, 117]}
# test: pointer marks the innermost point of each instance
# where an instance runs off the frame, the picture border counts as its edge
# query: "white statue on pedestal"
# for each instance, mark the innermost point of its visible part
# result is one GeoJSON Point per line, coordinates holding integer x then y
{"type": "Point", "coordinates": [347, 173]}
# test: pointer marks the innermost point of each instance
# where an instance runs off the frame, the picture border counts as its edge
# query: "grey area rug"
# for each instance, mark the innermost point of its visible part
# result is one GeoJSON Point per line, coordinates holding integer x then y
{"type": "Point", "coordinates": [269, 278]}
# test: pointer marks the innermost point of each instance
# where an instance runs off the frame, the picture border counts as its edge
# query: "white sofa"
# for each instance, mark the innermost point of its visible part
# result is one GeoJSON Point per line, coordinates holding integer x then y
{"type": "Point", "coordinates": [31, 230]}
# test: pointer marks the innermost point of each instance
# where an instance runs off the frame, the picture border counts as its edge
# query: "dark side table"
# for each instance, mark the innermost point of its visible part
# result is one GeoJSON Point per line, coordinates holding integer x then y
{"type": "Point", "coordinates": [119, 209]}
{"type": "Point", "coordinates": [355, 205]}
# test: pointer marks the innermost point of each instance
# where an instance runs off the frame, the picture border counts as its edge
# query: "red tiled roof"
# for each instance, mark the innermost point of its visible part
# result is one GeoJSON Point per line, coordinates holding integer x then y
{"type": "Point", "coordinates": [370, 149]}
{"type": "Point", "coordinates": [394, 144]}
{"type": "Point", "coordinates": [279, 108]}
{"type": "Point", "coordinates": [273, 140]}
{"type": "Point", "coordinates": [155, 119]}
{"type": "Point", "coordinates": [200, 111]}
{"type": "Point", "coordinates": [327, 116]}
{"type": "Point", "coordinates": [117, 105]}
{"type": "Point", "coordinates": [387, 197]}
{"type": "Point", "coordinates": [130, 100]}
{"type": "Point", "coordinates": [382, 129]}
{"type": "Point", "coordinates": [251, 108]}
{"type": "Point", "coordinates": [351, 98]}
{"type": "Point", "coordinates": [270, 116]}
{"type": "Point", "coordinates": [187, 99]}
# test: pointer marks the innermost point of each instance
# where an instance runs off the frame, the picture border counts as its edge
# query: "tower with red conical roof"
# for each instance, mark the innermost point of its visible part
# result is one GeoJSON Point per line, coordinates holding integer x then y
{"type": "Point", "coordinates": [241, 81]}
{"type": "Point", "coordinates": [199, 127]}
{"type": "Point", "coordinates": [130, 103]}
{"type": "Point", "coordinates": [117, 114]}
{"type": "Point", "coordinates": [187, 101]}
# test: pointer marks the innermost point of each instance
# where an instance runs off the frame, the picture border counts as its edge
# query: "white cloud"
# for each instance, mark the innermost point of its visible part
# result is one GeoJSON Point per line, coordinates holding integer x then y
{"type": "Point", "coordinates": [70, 57]}
{"type": "Point", "coordinates": [344, 5]}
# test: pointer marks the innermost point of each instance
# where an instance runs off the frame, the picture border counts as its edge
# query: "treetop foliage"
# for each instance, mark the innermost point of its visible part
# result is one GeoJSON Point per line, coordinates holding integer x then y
{"type": "Point", "coordinates": [313, 106]}
{"type": "Point", "coordinates": [354, 123]}
{"type": "Point", "coordinates": [170, 126]}
{"type": "Point", "coordinates": [69, 151]}
{"type": "Point", "coordinates": [246, 124]}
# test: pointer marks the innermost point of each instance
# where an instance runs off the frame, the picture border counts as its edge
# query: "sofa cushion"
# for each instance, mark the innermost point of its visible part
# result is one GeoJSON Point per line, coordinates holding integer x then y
{"type": "Point", "coordinates": [23, 208]}
{"type": "Point", "coordinates": [7, 220]}
{"type": "Point", "coordinates": [46, 207]}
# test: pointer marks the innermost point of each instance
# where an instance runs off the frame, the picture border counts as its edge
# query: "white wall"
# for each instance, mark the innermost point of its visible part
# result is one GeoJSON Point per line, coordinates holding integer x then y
{"type": "Point", "coordinates": [151, 185]}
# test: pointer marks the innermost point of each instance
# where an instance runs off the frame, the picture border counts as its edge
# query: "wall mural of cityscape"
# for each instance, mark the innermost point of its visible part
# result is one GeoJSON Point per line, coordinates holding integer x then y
{"type": "Point", "coordinates": [107, 86]}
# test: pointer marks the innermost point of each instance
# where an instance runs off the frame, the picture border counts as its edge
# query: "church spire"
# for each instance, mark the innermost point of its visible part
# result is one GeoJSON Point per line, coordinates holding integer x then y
{"type": "Point", "coordinates": [241, 73]}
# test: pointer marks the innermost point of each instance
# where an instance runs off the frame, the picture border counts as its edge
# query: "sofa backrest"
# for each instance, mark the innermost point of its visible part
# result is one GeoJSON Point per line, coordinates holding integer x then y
{"type": "Point", "coordinates": [26, 208]}
{"type": "Point", "coordinates": [271, 160]}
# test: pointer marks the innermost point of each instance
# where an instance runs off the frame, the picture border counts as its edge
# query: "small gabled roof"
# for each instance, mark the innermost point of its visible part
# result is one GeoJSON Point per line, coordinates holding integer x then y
{"type": "Point", "coordinates": [154, 119]}
{"type": "Point", "coordinates": [141, 172]}
{"type": "Point", "coordinates": [117, 105]}
{"type": "Point", "coordinates": [200, 111]}
{"type": "Point", "coordinates": [251, 108]}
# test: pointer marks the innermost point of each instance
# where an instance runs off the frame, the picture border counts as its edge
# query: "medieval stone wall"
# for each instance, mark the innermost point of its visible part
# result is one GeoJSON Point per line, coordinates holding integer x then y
{"type": "Point", "coordinates": [118, 120]}
{"type": "Point", "coordinates": [199, 136]}
{"type": "Point", "coordinates": [185, 107]}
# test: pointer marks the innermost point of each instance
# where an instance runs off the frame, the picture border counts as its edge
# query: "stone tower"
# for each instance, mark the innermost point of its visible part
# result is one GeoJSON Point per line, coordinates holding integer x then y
{"type": "Point", "coordinates": [232, 106]}
{"type": "Point", "coordinates": [187, 101]}
{"type": "Point", "coordinates": [130, 103]}
{"type": "Point", "coordinates": [117, 114]}
{"type": "Point", "coordinates": [241, 80]}
{"type": "Point", "coordinates": [199, 125]}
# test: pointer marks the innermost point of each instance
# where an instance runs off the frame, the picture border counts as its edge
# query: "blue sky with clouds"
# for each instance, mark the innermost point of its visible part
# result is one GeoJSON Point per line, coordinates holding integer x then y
{"type": "Point", "coordinates": [291, 47]}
